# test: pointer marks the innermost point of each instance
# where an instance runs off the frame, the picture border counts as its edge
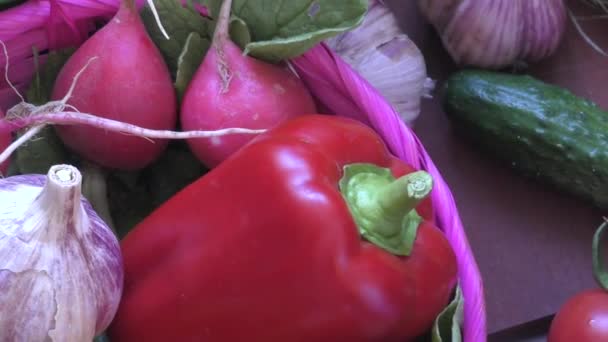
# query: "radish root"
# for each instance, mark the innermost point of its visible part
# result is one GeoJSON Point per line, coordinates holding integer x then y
{"type": "Point", "coordinates": [6, 63]}
{"type": "Point", "coordinates": [20, 141]}
{"type": "Point", "coordinates": [157, 18]}
{"type": "Point", "coordinates": [78, 118]}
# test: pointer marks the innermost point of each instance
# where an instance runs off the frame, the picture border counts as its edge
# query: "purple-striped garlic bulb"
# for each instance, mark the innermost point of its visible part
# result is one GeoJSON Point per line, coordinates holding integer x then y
{"type": "Point", "coordinates": [61, 272]}
{"type": "Point", "coordinates": [497, 33]}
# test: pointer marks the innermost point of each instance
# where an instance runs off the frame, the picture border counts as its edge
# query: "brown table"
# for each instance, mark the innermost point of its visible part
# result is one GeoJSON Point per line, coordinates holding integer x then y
{"type": "Point", "coordinates": [532, 244]}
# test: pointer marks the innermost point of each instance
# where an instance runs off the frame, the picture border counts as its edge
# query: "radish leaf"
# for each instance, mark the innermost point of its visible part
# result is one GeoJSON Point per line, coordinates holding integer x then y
{"type": "Point", "coordinates": [39, 91]}
{"type": "Point", "coordinates": [179, 21]}
{"type": "Point", "coordinates": [447, 324]}
{"type": "Point", "coordinates": [283, 29]}
{"type": "Point", "coordinates": [6, 4]}
{"type": "Point", "coordinates": [239, 32]}
{"type": "Point", "coordinates": [191, 57]}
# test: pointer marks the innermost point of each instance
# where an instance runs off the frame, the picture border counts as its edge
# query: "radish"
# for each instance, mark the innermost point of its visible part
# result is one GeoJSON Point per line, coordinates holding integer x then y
{"type": "Point", "coordinates": [127, 81]}
{"type": "Point", "coordinates": [5, 141]}
{"type": "Point", "coordinates": [231, 89]}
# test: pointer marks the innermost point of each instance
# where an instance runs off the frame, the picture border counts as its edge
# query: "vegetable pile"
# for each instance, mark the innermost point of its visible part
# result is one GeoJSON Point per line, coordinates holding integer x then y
{"type": "Point", "coordinates": [170, 176]}
{"type": "Point", "coordinates": [182, 132]}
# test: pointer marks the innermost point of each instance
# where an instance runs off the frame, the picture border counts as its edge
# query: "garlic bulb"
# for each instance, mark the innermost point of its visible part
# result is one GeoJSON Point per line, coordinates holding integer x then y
{"type": "Point", "coordinates": [60, 265]}
{"type": "Point", "coordinates": [497, 33]}
{"type": "Point", "coordinates": [380, 52]}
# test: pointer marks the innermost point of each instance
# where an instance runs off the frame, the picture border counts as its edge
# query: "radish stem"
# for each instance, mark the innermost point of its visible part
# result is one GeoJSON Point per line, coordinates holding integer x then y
{"type": "Point", "coordinates": [220, 36]}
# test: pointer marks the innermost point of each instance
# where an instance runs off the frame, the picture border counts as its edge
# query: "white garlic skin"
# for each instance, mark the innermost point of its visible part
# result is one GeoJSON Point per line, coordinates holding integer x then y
{"type": "Point", "coordinates": [61, 272]}
{"type": "Point", "coordinates": [497, 33]}
{"type": "Point", "coordinates": [382, 54]}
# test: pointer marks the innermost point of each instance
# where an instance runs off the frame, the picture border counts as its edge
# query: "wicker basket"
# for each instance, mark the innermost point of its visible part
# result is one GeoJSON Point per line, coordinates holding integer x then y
{"type": "Point", "coordinates": [332, 81]}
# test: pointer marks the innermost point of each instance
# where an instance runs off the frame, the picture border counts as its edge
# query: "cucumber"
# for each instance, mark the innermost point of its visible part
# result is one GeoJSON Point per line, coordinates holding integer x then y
{"type": "Point", "coordinates": [543, 131]}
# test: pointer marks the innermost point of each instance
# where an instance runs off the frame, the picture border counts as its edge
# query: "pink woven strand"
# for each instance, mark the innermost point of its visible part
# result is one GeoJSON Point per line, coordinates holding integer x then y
{"type": "Point", "coordinates": [62, 30]}
{"type": "Point", "coordinates": [27, 16]}
{"type": "Point", "coordinates": [342, 90]}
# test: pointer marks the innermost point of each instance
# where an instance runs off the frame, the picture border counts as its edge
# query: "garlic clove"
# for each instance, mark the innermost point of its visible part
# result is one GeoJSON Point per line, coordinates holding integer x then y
{"type": "Point", "coordinates": [470, 32]}
{"type": "Point", "coordinates": [544, 28]}
{"type": "Point", "coordinates": [28, 295]}
{"type": "Point", "coordinates": [497, 33]}
{"type": "Point", "coordinates": [60, 264]}
{"type": "Point", "coordinates": [382, 54]}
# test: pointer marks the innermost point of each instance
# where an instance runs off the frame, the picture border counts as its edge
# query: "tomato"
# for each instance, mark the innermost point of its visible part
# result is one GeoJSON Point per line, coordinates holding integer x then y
{"type": "Point", "coordinates": [583, 318]}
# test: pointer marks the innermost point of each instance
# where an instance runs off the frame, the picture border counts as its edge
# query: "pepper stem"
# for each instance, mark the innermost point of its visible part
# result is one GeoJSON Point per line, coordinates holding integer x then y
{"type": "Point", "coordinates": [599, 269]}
{"type": "Point", "coordinates": [384, 207]}
{"type": "Point", "coordinates": [404, 194]}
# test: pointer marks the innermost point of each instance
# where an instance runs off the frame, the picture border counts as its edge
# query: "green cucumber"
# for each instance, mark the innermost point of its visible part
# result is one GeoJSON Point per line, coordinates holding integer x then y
{"type": "Point", "coordinates": [543, 131]}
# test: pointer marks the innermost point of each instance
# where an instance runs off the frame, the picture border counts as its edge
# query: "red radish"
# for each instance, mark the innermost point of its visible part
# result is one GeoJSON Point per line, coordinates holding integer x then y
{"type": "Point", "coordinates": [230, 89]}
{"type": "Point", "coordinates": [5, 141]}
{"type": "Point", "coordinates": [128, 82]}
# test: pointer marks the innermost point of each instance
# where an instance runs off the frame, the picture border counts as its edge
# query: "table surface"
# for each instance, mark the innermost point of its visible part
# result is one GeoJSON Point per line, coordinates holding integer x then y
{"type": "Point", "coordinates": [532, 243]}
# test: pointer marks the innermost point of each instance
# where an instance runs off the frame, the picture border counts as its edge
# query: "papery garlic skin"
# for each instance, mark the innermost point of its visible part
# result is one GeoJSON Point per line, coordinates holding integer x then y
{"type": "Point", "coordinates": [382, 54]}
{"type": "Point", "coordinates": [497, 33]}
{"type": "Point", "coordinates": [61, 272]}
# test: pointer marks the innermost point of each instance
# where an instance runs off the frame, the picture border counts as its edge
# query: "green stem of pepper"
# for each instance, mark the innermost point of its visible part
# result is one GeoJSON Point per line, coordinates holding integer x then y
{"type": "Point", "coordinates": [404, 194]}
{"type": "Point", "coordinates": [384, 207]}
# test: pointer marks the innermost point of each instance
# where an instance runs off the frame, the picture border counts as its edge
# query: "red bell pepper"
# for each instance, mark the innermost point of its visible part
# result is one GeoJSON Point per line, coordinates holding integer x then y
{"type": "Point", "coordinates": [305, 234]}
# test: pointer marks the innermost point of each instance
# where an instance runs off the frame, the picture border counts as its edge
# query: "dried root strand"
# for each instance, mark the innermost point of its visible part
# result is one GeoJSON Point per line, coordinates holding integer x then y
{"type": "Point", "coordinates": [601, 4]}
{"type": "Point", "coordinates": [77, 118]}
{"type": "Point", "coordinates": [157, 19]}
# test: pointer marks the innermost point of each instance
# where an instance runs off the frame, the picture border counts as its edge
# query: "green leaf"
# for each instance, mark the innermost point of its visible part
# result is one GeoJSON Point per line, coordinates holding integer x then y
{"type": "Point", "coordinates": [6, 4]}
{"type": "Point", "coordinates": [283, 29]}
{"type": "Point", "coordinates": [171, 173]}
{"type": "Point", "coordinates": [189, 60]}
{"type": "Point", "coordinates": [213, 6]}
{"type": "Point", "coordinates": [179, 21]}
{"type": "Point", "coordinates": [447, 324]}
{"type": "Point", "coordinates": [39, 91]}
{"type": "Point", "coordinates": [41, 152]}
{"type": "Point", "coordinates": [129, 203]}
{"type": "Point", "coordinates": [239, 32]}
{"type": "Point", "coordinates": [135, 195]}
